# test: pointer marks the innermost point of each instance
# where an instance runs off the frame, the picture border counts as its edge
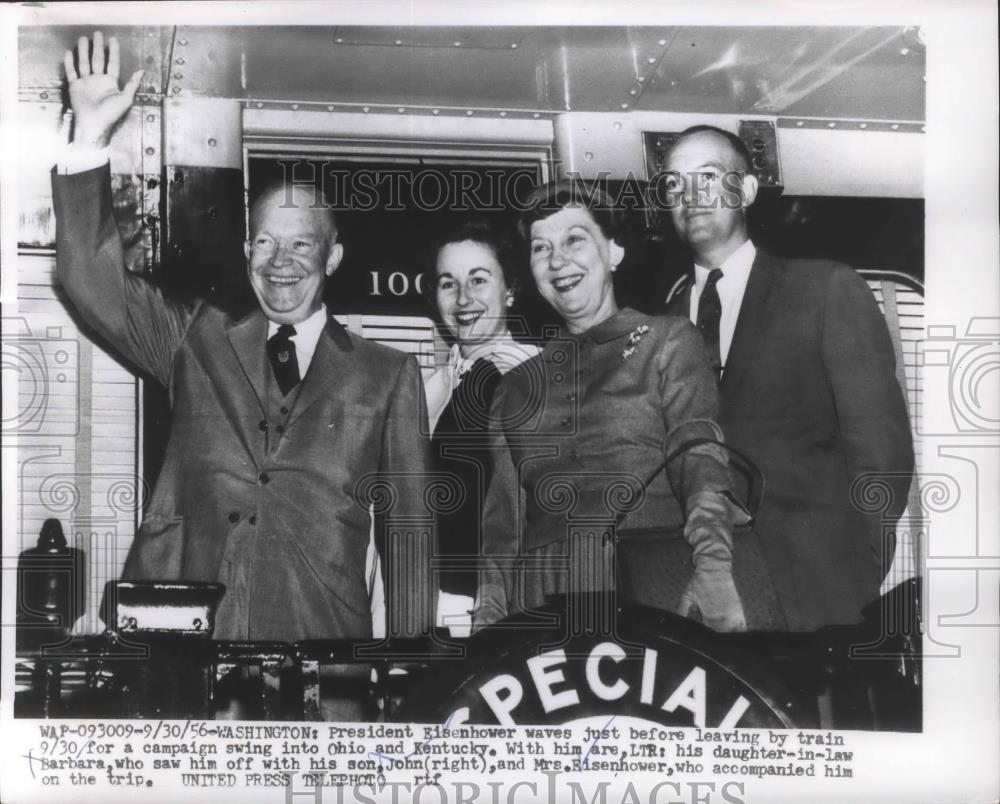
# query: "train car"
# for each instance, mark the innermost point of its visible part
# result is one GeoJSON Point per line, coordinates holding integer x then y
{"type": "Point", "coordinates": [410, 129]}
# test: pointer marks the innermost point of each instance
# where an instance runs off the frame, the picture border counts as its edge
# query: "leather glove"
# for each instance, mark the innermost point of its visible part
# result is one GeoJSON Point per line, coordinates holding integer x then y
{"type": "Point", "coordinates": [712, 595]}
{"type": "Point", "coordinates": [711, 591]}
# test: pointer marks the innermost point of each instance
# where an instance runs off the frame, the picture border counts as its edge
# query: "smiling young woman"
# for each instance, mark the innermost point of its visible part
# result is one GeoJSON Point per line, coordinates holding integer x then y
{"type": "Point", "coordinates": [473, 285]}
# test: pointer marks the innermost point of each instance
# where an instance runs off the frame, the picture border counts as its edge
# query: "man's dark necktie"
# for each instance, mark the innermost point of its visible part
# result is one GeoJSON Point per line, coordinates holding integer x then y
{"type": "Point", "coordinates": [709, 317]}
{"type": "Point", "coordinates": [284, 363]}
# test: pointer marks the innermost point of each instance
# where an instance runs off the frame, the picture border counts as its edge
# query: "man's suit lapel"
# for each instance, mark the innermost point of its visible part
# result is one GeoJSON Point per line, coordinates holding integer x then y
{"type": "Point", "coordinates": [751, 322]}
{"type": "Point", "coordinates": [248, 338]}
{"type": "Point", "coordinates": [326, 369]}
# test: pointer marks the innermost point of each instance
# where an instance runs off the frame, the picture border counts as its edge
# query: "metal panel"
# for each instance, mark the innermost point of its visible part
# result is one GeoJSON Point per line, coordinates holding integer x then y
{"type": "Point", "coordinates": [203, 256]}
{"type": "Point", "coordinates": [209, 62]}
{"type": "Point", "coordinates": [852, 163]}
{"type": "Point", "coordinates": [135, 153]}
{"type": "Point", "coordinates": [492, 38]}
{"type": "Point", "coordinates": [207, 132]}
{"type": "Point", "coordinates": [467, 130]}
{"type": "Point", "coordinates": [37, 142]}
{"type": "Point", "coordinates": [859, 72]}
{"type": "Point", "coordinates": [761, 140]}
{"type": "Point", "coordinates": [310, 64]}
{"type": "Point", "coordinates": [592, 144]}
{"type": "Point", "coordinates": [598, 68]}
{"type": "Point", "coordinates": [810, 71]}
{"type": "Point", "coordinates": [41, 48]}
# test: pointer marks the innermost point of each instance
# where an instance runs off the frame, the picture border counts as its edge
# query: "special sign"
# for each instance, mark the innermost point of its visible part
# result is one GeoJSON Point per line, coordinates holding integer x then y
{"type": "Point", "coordinates": [659, 670]}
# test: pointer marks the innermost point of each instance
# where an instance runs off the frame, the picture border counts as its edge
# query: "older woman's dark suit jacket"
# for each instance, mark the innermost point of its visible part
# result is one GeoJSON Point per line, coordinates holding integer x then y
{"type": "Point", "coordinates": [585, 428]}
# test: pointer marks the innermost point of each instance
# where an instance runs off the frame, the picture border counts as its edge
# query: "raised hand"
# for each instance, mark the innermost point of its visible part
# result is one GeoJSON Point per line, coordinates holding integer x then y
{"type": "Point", "coordinates": [98, 104]}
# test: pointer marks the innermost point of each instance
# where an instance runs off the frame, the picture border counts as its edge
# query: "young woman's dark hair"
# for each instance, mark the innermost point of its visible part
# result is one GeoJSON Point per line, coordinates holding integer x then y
{"type": "Point", "coordinates": [491, 234]}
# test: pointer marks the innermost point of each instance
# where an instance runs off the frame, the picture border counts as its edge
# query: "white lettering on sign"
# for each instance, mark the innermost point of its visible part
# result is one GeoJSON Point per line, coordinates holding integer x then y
{"type": "Point", "coordinates": [735, 713]}
{"type": "Point", "coordinates": [545, 679]}
{"type": "Point", "coordinates": [504, 692]}
{"type": "Point", "coordinates": [606, 650]}
{"type": "Point", "coordinates": [690, 695]}
{"type": "Point", "coordinates": [648, 675]}
{"type": "Point", "coordinates": [502, 706]}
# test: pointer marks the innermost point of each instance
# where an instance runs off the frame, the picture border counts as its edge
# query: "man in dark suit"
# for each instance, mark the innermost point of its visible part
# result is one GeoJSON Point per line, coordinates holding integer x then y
{"type": "Point", "coordinates": [282, 422]}
{"type": "Point", "coordinates": [808, 388]}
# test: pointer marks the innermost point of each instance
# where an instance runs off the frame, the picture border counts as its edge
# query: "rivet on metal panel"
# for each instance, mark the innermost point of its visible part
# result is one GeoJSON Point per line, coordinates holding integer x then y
{"type": "Point", "coordinates": [661, 42]}
{"type": "Point", "coordinates": [588, 156]}
{"type": "Point", "coordinates": [182, 41]}
{"type": "Point", "coordinates": [831, 124]}
{"type": "Point", "coordinates": [617, 125]}
{"type": "Point", "coordinates": [330, 108]}
{"type": "Point", "coordinates": [178, 75]}
{"type": "Point", "coordinates": [503, 114]}
{"type": "Point", "coordinates": [150, 151]}
{"type": "Point", "coordinates": [624, 105]}
{"type": "Point", "coordinates": [339, 40]}
{"type": "Point", "coordinates": [457, 44]}
{"type": "Point", "coordinates": [435, 111]}
{"type": "Point", "coordinates": [175, 90]}
{"type": "Point", "coordinates": [651, 60]}
{"type": "Point", "coordinates": [179, 61]}
{"type": "Point", "coordinates": [469, 112]}
{"type": "Point", "coordinates": [641, 79]}
{"type": "Point", "coordinates": [295, 107]}
{"type": "Point", "coordinates": [212, 142]}
{"type": "Point", "coordinates": [401, 109]}
{"type": "Point", "coordinates": [894, 126]}
{"type": "Point", "coordinates": [904, 51]}
{"type": "Point", "coordinates": [44, 96]}
{"type": "Point", "coordinates": [536, 115]}
{"type": "Point", "coordinates": [366, 109]}
{"type": "Point", "coordinates": [862, 125]}
{"type": "Point", "coordinates": [513, 45]}
{"type": "Point", "coordinates": [633, 92]}
{"type": "Point", "coordinates": [150, 118]}
{"type": "Point", "coordinates": [800, 123]}
{"type": "Point", "coordinates": [260, 105]}
{"type": "Point", "coordinates": [399, 41]}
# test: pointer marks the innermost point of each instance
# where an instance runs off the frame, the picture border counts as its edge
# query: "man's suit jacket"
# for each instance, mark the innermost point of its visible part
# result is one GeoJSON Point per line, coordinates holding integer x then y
{"type": "Point", "coordinates": [276, 507]}
{"type": "Point", "coordinates": [810, 393]}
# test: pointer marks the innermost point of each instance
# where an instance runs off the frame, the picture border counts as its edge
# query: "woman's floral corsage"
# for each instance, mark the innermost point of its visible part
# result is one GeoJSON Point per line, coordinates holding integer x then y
{"type": "Point", "coordinates": [633, 340]}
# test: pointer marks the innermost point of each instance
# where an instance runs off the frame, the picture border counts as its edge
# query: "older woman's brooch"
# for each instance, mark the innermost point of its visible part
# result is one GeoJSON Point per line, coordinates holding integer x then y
{"type": "Point", "coordinates": [633, 340]}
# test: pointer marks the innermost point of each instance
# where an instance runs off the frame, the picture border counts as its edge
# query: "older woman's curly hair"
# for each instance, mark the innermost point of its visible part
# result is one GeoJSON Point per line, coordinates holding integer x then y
{"type": "Point", "coordinates": [550, 198]}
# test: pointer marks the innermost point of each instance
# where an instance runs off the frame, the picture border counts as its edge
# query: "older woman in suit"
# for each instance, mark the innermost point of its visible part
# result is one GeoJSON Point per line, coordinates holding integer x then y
{"type": "Point", "coordinates": [582, 441]}
{"type": "Point", "coordinates": [473, 288]}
